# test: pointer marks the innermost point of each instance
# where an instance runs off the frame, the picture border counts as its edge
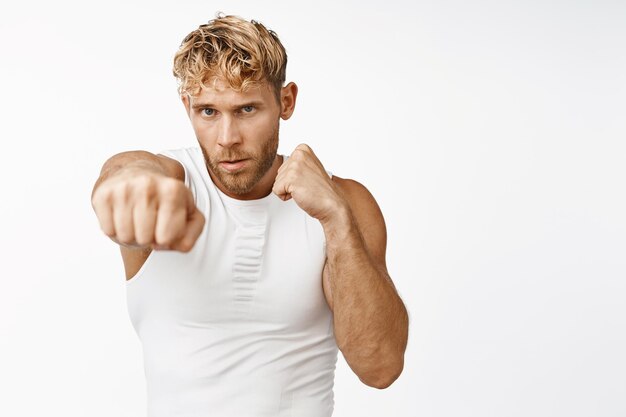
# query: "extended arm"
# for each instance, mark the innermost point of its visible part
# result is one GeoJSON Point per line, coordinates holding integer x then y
{"type": "Point", "coordinates": [142, 203]}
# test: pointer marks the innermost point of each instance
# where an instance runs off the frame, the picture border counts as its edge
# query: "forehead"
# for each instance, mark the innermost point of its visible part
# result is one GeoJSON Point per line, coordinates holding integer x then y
{"type": "Point", "coordinates": [219, 92]}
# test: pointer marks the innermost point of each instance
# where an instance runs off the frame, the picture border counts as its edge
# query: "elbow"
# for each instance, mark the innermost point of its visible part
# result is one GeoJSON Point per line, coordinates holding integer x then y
{"type": "Point", "coordinates": [384, 376]}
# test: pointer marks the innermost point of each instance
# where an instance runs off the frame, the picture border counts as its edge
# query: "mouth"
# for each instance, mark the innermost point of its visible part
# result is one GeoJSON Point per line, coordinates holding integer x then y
{"type": "Point", "coordinates": [233, 165]}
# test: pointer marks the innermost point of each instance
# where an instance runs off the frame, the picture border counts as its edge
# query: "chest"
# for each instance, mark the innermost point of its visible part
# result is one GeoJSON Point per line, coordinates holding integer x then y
{"type": "Point", "coordinates": [249, 266]}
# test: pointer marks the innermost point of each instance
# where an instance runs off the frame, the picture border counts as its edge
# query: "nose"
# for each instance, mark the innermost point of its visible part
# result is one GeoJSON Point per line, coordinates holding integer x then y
{"type": "Point", "coordinates": [229, 133]}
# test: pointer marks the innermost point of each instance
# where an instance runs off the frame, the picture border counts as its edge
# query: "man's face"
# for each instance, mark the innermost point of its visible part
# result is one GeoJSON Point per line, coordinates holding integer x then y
{"type": "Point", "coordinates": [233, 126]}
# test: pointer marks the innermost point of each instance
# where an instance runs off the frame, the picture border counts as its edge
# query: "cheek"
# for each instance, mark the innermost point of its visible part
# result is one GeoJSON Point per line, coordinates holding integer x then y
{"type": "Point", "coordinates": [260, 128]}
{"type": "Point", "coordinates": [204, 131]}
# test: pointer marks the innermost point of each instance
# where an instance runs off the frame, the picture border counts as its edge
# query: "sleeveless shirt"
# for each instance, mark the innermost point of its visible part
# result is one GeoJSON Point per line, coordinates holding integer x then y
{"type": "Point", "coordinates": [239, 326]}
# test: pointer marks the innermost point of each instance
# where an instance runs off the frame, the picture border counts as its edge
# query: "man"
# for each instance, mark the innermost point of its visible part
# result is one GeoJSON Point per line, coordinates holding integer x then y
{"type": "Point", "coordinates": [248, 270]}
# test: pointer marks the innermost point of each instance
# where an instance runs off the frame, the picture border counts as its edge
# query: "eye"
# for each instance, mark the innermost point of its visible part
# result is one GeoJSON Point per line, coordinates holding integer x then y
{"type": "Point", "coordinates": [247, 109]}
{"type": "Point", "coordinates": [208, 112]}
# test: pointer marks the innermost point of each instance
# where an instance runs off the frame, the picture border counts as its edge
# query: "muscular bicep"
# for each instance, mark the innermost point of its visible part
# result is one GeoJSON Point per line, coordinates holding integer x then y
{"type": "Point", "coordinates": [369, 219]}
{"type": "Point", "coordinates": [370, 222]}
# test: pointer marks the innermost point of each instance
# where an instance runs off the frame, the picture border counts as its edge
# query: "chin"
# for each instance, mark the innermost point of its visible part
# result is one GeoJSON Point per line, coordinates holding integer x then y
{"type": "Point", "coordinates": [240, 182]}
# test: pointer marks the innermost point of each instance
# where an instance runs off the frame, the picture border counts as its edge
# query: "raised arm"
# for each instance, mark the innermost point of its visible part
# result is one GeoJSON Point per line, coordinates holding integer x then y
{"type": "Point", "coordinates": [142, 204]}
{"type": "Point", "coordinates": [370, 320]}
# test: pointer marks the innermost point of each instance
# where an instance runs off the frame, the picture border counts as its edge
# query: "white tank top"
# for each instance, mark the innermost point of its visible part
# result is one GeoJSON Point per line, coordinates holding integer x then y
{"type": "Point", "coordinates": [239, 326]}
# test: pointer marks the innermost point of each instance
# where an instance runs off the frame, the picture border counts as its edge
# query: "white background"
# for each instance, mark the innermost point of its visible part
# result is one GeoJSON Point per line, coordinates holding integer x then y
{"type": "Point", "coordinates": [492, 134]}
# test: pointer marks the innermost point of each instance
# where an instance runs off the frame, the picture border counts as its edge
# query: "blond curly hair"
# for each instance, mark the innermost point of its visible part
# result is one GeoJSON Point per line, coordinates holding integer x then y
{"type": "Point", "coordinates": [242, 53]}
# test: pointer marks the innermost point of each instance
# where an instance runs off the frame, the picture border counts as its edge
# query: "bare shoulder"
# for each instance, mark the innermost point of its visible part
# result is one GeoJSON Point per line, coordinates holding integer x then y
{"type": "Point", "coordinates": [352, 188]}
{"type": "Point", "coordinates": [367, 215]}
{"type": "Point", "coordinates": [361, 201]}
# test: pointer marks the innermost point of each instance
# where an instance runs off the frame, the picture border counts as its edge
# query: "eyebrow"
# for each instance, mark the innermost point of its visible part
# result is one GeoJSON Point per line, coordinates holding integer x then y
{"type": "Point", "coordinates": [197, 106]}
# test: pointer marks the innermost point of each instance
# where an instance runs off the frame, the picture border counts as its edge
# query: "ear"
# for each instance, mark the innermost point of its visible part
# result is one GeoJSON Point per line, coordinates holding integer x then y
{"type": "Point", "coordinates": [288, 96]}
{"type": "Point", "coordinates": [185, 99]}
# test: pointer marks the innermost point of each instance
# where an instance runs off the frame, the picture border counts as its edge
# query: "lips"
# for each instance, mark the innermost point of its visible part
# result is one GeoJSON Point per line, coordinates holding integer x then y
{"type": "Point", "coordinates": [233, 165]}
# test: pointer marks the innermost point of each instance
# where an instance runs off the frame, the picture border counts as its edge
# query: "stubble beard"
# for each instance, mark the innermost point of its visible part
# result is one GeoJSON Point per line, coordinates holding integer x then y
{"type": "Point", "coordinates": [241, 182]}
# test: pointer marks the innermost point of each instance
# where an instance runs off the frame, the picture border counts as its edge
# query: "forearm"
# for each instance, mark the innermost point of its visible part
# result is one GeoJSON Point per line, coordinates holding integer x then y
{"type": "Point", "coordinates": [370, 319]}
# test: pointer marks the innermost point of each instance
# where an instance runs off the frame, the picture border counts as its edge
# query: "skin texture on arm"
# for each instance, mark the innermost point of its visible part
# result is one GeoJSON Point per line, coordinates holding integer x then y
{"type": "Point", "coordinates": [370, 319]}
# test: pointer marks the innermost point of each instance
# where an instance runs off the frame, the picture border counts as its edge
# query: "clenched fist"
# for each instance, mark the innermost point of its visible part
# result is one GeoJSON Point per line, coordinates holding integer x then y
{"type": "Point", "coordinates": [145, 209]}
{"type": "Point", "coordinates": [303, 178]}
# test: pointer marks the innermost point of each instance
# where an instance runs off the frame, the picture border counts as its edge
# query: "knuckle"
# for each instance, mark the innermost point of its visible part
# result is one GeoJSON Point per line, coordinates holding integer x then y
{"type": "Point", "coordinates": [166, 238]}
{"type": "Point", "coordinates": [200, 224]}
{"type": "Point", "coordinates": [125, 238]}
{"type": "Point", "coordinates": [108, 231]}
{"type": "Point", "coordinates": [163, 239]}
{"type": "Point", "coordinates": [96, 200]}
{"type": "Point", "coordinates": [100, 198]}
{"type": "Point", "coordinates": [122, 192]}
{"type": "Point", "coordinates": [145, 187]}
{"type": "Point", "coordinates": [170, 185]}
{"type": "Point", "coordinates": [290, 177]}
{"type": "Point", "coordinates": [174, 198]}
{"type": "Point", "coordinates": [185, 245]}
{"type": "Point", "coordinates": [143, 239]}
